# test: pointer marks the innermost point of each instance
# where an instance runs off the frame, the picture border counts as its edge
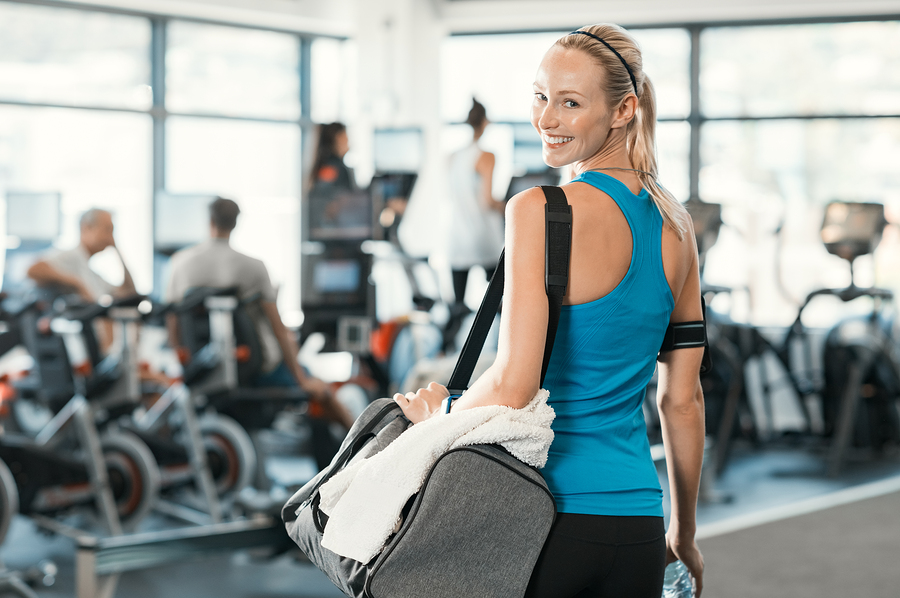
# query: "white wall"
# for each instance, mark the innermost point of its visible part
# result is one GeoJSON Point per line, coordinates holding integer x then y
{"type": "Point", "coordinates": [399, 43]}
{"type": "Point", "coordinates": [341, 17]}
{"type": "Point", "coordinates": [501, 15]}
{"type": "Point", "coordinates": [327, 17]}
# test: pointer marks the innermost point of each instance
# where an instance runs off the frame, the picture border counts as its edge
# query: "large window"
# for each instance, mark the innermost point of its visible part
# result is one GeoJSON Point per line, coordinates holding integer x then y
{"type": "Point", "coordinates": [79, 117]}
{"type": "Point", "coordinates": [74, 57]}
{"type": "Point", "coordinates": [334, 70]}
{"type": "Point", "coordinates": [91, 158]}
{"type": "Point", "coordinates": [243, 74]}
{"type": "Point", "coordinates": [787, 132]}
{"type": "Point", "coordinates": [788, 118]}
{"type": "Point", "coordinates": [817, 69]}
{"type": "Point", "coordinates": [257, 164]}
{"type": "Point", "coordinates": [230, 71]}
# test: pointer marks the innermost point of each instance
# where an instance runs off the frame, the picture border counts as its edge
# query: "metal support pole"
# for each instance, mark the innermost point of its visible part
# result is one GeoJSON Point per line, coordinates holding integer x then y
{"type": "Point", "coordinates": [221, 334]}
{"type": "Point", "coordinates": [695, 119]}
{"type": "Point", "coordinates": [88, 582]}
{"type": "Point", "coordinates": [96, 465]}
{"type": "Point", "coordinates": [51, 431]}
{"type": "Point", "coordinates": [197, 455]}
{"type": "Point", "coordinates": [126, 319]}
{"type": "Point", "coordinates": [159, 115]}
{"type": "Point", "coordinates": [843, 433]}
{"type": "Point", "coordinates": [153, 418]}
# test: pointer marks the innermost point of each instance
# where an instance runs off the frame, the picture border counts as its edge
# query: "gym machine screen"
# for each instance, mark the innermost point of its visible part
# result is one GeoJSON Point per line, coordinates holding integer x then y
{"type": "Point", "coordinates": [398, 150]}
{"type": "Point", "coordinates": [851, 229]}
{"type": "Point", "coordinates": [533, 179]}
{"type": "Point", "coordinates": [339, 214]}
{"type": "Point", "coordinates": [336, 276]}
{"type": "Point", "coordinates": [337, 279]}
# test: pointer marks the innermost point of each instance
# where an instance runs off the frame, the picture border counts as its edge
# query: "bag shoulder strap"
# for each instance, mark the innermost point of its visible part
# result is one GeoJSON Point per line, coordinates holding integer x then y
{"type": "Point", "coordinates": [558, 242]}
{"type": "Point", "coordinates": [558, 249]}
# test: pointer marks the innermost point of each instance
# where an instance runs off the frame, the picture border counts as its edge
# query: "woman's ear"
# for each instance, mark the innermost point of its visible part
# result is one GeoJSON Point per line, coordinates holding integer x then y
{"type": "Point", "coordinates": [625, 112]}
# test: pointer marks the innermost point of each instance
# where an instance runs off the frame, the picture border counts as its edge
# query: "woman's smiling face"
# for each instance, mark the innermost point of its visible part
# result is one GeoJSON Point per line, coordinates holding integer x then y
{"type": "Point", "coordinates": [569, 110]}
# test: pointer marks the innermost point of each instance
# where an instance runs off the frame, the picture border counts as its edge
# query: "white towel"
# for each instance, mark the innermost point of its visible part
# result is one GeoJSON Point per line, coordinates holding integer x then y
{"type": "Point", "coordinates": [365, 500]}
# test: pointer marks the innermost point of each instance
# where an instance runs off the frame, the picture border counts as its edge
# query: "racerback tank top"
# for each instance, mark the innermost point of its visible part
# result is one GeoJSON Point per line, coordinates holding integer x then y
{"type": "Point", "coordinates": [603, 358]}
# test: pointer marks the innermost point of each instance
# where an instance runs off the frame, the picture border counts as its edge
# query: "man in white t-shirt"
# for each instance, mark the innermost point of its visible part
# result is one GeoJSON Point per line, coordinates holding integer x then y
{"type": "Point", "coordinates": [69, 270]}
{"type": "Point", "coordinates": [215, 263]}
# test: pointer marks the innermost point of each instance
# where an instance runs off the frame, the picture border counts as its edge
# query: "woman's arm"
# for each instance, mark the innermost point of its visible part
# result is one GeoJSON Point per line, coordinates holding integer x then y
{"type": "Point", "coordinates": [682, 416]}
{"type": "Point", "coordinates": [514, 378]}
{"type": "Point", "coordinates": [127, 287]}
{"type": "Point", "coordinates": [485, 169]}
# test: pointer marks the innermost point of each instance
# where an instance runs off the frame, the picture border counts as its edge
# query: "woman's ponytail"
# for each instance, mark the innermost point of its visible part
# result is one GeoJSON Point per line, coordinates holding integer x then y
{"type": "Point", "coordinates": [625, 76]}
{"type": "Point", "coordinates": [641, 143]}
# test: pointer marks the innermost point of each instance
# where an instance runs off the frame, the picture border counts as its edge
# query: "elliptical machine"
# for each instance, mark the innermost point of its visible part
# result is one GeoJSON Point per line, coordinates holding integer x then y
{"type": "Point", "coordinates": [857, 382]}
{"type": "Point", "coordinates": [861, 396]}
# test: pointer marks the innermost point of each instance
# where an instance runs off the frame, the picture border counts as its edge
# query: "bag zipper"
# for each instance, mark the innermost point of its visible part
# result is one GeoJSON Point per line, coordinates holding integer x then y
{"type": "Point", "coordinates": [346, 455]}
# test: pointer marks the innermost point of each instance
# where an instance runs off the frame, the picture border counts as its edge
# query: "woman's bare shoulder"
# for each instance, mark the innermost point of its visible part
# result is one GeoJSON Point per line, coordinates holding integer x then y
{"type": "Point", "coordinates": [526, 203]}
{"type": "Point", "coordinates": [684, 248]}
{"type": "Point", "coordinates": [680, 262]}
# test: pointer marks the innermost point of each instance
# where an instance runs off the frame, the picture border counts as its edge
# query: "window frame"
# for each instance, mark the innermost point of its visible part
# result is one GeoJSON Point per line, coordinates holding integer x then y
{"type": "Point", "coordinates": [159, 112]}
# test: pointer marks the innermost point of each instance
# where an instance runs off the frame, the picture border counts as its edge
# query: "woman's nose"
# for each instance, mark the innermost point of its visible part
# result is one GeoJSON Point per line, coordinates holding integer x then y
{"type": "Point", "coordinates": [548, 118]}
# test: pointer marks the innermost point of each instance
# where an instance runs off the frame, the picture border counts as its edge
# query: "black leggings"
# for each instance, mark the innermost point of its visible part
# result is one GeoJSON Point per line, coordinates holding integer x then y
{"type": "Point", "coordinates": [595, 556]}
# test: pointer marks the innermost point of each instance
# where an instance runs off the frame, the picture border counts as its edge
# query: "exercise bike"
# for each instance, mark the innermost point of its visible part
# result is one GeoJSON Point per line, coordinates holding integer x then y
{"type": "Point", "coordinates": [68, 464]}
{"type": "Point", "coordinates": [203, 452]}
{"type": "Point", "coordinates": [861, 396]}
{"type": "Point", "coordinates": [223, 361]}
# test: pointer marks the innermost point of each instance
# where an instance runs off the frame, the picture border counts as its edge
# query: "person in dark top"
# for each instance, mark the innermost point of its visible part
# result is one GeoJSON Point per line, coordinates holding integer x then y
{"type": "Point", "coordinates": [329, 168]}
{"type": "Point", "coordinates": [338, 209]}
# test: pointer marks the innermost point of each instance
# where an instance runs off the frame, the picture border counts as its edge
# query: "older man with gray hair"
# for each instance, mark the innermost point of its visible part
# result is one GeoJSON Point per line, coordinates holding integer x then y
{"type": "Point", "coordinates": [69, 270]}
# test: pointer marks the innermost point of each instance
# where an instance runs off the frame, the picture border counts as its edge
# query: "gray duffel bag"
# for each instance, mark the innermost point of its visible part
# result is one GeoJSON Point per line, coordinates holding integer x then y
{"type": "Point", "coordinates": [477, 525]}
{"type": "Point", "coordinates": [475, 528]}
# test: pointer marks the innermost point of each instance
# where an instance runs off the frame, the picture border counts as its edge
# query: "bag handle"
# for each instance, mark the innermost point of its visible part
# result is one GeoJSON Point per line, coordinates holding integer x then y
{"type": "Point", "coordinates": [558, 242]}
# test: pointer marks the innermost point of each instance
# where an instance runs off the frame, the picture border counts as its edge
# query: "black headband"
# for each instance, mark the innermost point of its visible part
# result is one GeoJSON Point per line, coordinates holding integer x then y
{"type": "Point", "coordinates": [619, 56]}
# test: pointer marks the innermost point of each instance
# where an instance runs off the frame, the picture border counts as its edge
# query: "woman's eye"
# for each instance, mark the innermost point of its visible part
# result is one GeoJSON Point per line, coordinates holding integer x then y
{"type": "Point", "coordinates": [570, 104]}
{"type": "Point", "coordinates": [540, 97]}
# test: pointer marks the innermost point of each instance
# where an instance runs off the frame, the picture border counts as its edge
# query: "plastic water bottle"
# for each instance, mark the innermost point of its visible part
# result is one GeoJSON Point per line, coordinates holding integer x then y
{"type": "Point", "coordinates": [677, 583]}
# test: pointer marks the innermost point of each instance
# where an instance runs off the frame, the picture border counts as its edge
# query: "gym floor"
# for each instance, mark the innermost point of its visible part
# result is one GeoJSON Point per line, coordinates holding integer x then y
{"type": "Point", "coordinates": [775, 526]}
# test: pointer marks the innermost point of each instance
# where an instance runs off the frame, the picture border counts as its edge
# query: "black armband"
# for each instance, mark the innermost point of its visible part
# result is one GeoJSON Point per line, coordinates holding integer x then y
{"type": "Point", "coordinates": [688, 335]}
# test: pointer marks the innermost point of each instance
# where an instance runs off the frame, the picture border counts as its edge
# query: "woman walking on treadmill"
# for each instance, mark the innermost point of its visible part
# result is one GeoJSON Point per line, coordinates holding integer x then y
{"type": "Point", "coordinates": [633, 271]}
{"type": "Point", "coordinates": [476, 224]}
{"type": "Point", "coordinates": [475, 230]}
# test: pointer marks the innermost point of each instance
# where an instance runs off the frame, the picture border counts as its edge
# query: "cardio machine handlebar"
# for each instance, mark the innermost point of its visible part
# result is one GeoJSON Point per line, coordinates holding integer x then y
{"type": "Point", "coordinates": [85, 312]}
{"type": "Point", "coordinates": [846, 294]}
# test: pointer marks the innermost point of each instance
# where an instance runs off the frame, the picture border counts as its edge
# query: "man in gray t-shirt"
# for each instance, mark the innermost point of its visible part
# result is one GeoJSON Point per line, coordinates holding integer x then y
{"type": "Point", "coordinates": [215, 263]}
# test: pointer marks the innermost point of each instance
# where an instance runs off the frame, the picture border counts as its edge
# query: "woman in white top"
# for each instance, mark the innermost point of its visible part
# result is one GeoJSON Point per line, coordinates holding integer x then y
{"type": "Point", "coordinates": [476, 222]}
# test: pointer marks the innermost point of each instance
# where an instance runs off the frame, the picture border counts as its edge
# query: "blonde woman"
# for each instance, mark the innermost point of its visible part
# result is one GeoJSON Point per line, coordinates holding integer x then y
{"type": "Point", "coordinates": [633, 271]}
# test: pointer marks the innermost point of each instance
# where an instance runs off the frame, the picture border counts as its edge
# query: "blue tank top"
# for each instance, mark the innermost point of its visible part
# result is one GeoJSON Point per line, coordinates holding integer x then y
{"type": "Point", "coordinates": [603, 358]}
